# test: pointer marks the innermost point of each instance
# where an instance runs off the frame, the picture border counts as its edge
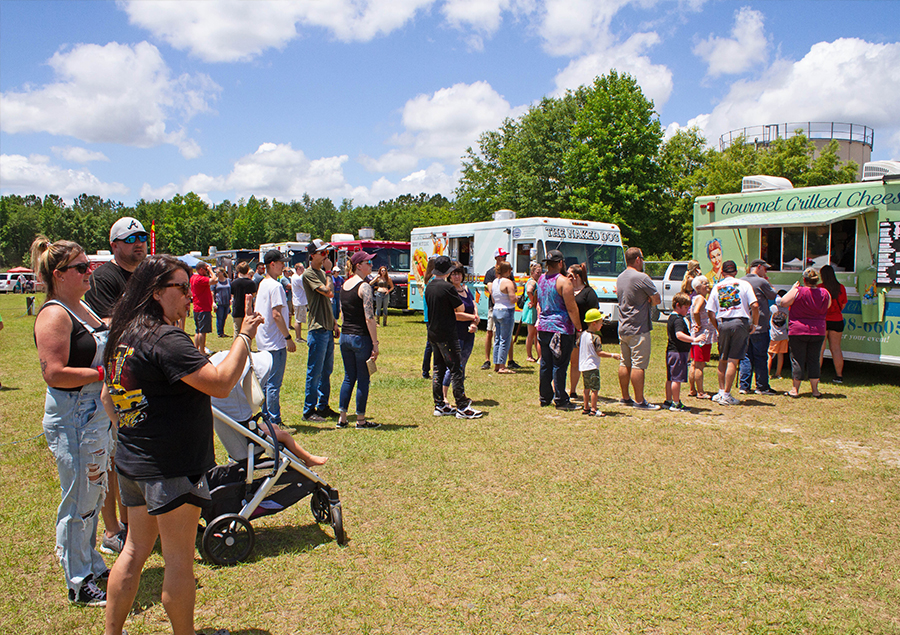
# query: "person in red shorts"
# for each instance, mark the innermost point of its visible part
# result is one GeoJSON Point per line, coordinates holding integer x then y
{"type": "Point", "coordinates": [203, 305]}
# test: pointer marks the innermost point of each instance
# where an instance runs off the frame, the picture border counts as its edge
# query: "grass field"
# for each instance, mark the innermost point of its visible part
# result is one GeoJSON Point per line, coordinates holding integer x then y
{"type": "Point", "coordinates": [777, 516]}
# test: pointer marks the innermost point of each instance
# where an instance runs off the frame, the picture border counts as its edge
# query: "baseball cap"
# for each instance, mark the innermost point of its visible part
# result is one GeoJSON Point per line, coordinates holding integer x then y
{"type": "Point", "coordinates": [593, 315]}
{"type": "Point", "coordinates": [759, 262]}
{"type": "Point", "coordinates": [317, 245]}
{"type": "Point", "coordinates": [442, 264]}
{"type": "Point", "coordinates": [501, 253]}
{"type": "Point", "coordinates": [125, 227]}
{"type": "Point", "coordinates": [360, 256]}
{"type": "Point", "coordinates": [554, 255]}
{"type": "Point", "coordinates": [273, 255]}
{"type": "Point", "coordinates": [729, 267]}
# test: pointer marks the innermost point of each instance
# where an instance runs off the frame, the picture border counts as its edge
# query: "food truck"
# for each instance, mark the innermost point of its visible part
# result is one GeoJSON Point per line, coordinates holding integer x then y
{"type": "Point", "coordinates": [854, 227]}
{"type": "Point", "coordinates": [599, 245]}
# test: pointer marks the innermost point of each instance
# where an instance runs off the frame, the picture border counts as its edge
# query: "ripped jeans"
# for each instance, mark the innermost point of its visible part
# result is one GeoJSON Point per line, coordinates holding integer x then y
{"type": "Point", "coordinates": [79, 435]}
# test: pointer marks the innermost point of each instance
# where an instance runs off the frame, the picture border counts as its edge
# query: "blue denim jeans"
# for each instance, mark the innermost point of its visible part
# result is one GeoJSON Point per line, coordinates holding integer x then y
{"type": "Point", "coordinates": [79, 436]}
{"type": "Point", "coordinates": [465, 351]}
{"type": "Point", "coordinates": [355, 350]}
{"type": "Point", "coordinates": [272, 407]}
{"type": "Point", "coordinates": [319, 365]}
{"type": "Point", "coordinates": [504, 319]}
{"type": "Point", "coordinates": [553, 369]}
{"type": "Point", "coordinates": [756, 361]}
{"type": "Point", "coordinates": [221, 319]}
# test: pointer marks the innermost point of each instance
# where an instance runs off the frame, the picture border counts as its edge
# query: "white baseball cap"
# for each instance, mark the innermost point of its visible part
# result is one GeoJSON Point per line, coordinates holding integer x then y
{"type": "Point", "coordinates": [501, 253]}
{"type": "Point", "coordinates": [125, 227]}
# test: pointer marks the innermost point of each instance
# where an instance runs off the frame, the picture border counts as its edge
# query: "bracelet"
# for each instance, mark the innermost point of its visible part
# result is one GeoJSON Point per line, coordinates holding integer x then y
{"type": "Point", "coordinates": [246, 338]}
{"type": "Point", "coordinates": [100, 373]}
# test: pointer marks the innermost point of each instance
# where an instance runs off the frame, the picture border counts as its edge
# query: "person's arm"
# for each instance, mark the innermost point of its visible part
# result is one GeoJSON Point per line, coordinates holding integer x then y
{"type": "Point", "coordinates": [696, 314]}
{"type": "Point", "coordinates": [311, 280]}
{"type": "Point", "coordinates": [217, 381]}
{"type": "Point", "coordinates": [462, 316]}
{"type": "Point", "coordinates": [754, 316]}
{"type": "Point", "coordinates": [52, 331]}
{"type": "Point", "coordinates": [368, 300]}
{"type": "Point", "coordinates": [566, 290]}
{"type": "Point", "coordinates": [390, 284]}
{"type": "Point", "coordinates": [791, 295]}
{"type": "Point", "coordinates": [278, 318]}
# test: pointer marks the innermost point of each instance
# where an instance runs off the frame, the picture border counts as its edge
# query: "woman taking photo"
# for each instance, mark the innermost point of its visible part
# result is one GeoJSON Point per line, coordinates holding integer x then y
{"type": "Point", "coordinates": [359, 339]}
{"type": "Point", "coordinates": [530, 311]}
{"type": "Point", "coordinates": [806, 329]}
{"type": "Point", "coordinates": [585, 299]}
{"type": "Point", "coordinates": [161, 385]}
{"type": "Point", "coordinates": [464, 330]}
{"type": "Point", "coordinates": [834, 321]}
{"type": "Point", "coordinates": [383, 286]}
{"type": "Point", "coordinates": [503, 293]}
{"type": "Point", "coordinates": [70, 341]}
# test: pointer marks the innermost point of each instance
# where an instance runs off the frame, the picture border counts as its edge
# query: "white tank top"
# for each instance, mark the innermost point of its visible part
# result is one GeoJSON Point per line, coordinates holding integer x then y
{"type": "Point", "coordinates": [501, 300]}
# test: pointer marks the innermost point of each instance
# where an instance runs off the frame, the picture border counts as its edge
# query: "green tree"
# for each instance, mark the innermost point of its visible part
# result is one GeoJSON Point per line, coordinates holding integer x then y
{"type": "Point", "coordinates": [681, 158]}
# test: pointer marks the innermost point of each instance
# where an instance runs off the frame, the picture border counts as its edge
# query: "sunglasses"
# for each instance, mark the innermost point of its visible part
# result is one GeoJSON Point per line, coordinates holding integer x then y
{"type": "Point", "coordinates": [130, 240]}
{"type": "Point", "coordinates": [184, 286]}
{"type": "Point", "coordinates": [81, 267]}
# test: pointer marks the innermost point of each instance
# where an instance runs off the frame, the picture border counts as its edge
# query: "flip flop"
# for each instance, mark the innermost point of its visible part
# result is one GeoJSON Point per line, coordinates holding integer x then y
{"type": "Point", "coordinates": [692, 394]}
{"type": "Point", "coordinates": [792, 394]}
{"type": "Point", "coordinates": [530, 359]}
{"type": "Point", "coordinates": [703, 395]}
{"type": "Point", "coordinates": [506, 371]}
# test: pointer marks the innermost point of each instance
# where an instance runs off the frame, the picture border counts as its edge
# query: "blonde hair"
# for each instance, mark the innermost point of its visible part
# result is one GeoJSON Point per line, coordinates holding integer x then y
{"type": "Point", "coordinates": [47, 257]}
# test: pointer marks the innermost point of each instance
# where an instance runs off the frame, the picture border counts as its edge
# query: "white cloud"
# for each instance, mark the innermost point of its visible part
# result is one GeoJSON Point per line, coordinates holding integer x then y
{"type": "Point", "coordinates": [576, 27]}
{"type": "Point", "coordinates": [848, 80]}
{"type": "Point", "coordinates": [655, 80]}
{"type": "Point", "coordinates": [78, 155]}
{"type": "Point", "coordinates": [747, 46]}
{"type": "Point", "coordinates": [111, 94]}
{"type": "Point", "coordinates": [35, 174]}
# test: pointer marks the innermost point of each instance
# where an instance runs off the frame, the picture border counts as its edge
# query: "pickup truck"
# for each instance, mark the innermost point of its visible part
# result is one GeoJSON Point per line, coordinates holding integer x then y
{"type": "Point", "coordinates": [668, 284]}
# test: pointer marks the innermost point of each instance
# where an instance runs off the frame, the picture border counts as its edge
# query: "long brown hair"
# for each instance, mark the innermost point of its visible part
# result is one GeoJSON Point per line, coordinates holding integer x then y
{"type": "Point", "coordinates": [830, 281]}
{"type": "Point", "coordinates": [47, 257]}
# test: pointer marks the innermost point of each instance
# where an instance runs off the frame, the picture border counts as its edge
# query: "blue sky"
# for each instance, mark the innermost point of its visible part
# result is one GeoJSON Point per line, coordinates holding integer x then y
{"type": "Point", "coordinates": [371, 99]}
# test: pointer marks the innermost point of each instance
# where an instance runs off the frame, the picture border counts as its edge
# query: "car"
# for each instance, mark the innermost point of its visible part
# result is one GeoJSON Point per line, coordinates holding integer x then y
{"type": "Point", "coordinates": [8, 282]}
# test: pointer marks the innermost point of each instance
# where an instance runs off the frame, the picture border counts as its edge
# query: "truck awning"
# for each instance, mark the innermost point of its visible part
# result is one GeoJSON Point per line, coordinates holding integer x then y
{"type": "Point", "coordinates": [802, 218]}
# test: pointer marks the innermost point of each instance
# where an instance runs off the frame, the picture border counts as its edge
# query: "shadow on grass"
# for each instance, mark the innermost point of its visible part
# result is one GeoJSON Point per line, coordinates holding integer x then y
{"type": "Point", "coordinates": [485, 402]}
{"type": "Point", "coordinates": [756, 402]}
{"type": "Point", "coordinates": [243, 631]}
{"type": "Point", "coordinates": [272, 542]}
{"type": "Point", "coordinates": [7, 389]}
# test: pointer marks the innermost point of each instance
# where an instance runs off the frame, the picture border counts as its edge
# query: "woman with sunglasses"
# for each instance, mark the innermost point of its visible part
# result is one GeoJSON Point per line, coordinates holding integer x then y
{"type": "Point", "coordinates": [160, 385]}
{"type": "Point", "coordinates": [70, 341]}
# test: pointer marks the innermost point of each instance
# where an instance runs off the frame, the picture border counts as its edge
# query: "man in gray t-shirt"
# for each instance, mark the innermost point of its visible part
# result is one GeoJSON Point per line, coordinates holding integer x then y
{"type": "Point", "coordinates": [636, 294]}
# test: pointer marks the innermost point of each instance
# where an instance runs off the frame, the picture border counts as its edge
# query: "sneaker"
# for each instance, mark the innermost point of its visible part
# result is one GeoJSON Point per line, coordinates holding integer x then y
{"type": "Point", "coordinates": [513, 365]}
{"type": "Point", "coordinates": [729, 400]}
{"type": "Point", "coordinates": [743, 391]}
{"type": "Point", "coordinates": [88, 595]}
{"type": "Point", "coordinates": [679, 407]}
{"type": "Point", "coordinates": [668, 404]}
{"type": "Point", "coordinates": [327, 412]}
{"type": "Point", "coordinates": [112, 545]}
{"type": "Point", "coordinates": [342, 424]}
{"type": "Point", "coordinates": [486, 366]}
{"type": "Point", "coordinates": [444, 411]}
{"type": "Point", "coordinates": [426, 374]}
{"type": "Point", "coordinates": [767, 391]}
{"type": "Point", "coordinates": [469, 413]}
{"type": "Point", "coordinates": [838, 380]}
{"type": "Point", "coordinates": [626, 402]}
{"type": "Point", "coordinates": [717, 397]}
{"type": "Point", "coordinates": [646, 406]}
{"type": "Point", "coordinates": [367, 425]}
{"type": "Point", "coordinates": [314, 417]}
{"type": "Point", "coordinates": [566, 406]}
{"type": "Point", "coordinates": [574, 396]}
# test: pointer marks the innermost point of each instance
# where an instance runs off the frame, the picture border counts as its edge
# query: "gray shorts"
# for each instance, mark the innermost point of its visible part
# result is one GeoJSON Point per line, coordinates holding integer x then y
{"type": "Point", "coordinates": [733, 337]}
{"type": "Point", "coordinates": [490, 320]}
{"type": "Point", "coordinates": [203, 321]}
{"type": "Point", "coordinates": [163, 495]}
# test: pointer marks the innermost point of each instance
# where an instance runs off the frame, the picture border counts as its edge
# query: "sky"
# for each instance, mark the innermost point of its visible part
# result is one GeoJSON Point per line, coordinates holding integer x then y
{"type": "Point", "coordinates": [372, 99]}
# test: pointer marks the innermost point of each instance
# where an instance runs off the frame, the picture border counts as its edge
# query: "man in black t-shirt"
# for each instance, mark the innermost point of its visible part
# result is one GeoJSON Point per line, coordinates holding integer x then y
{"type": "Point", "coordinates": [444, 309]}
{"type": "Point", "coordinates": [241, 287]}
{"type": "Point", "coordinates": [128, 242]}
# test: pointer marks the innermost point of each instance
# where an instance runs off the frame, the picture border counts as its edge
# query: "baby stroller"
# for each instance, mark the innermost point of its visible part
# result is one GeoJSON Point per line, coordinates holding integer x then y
{"type": "Point", "coordinates": [262, 478]}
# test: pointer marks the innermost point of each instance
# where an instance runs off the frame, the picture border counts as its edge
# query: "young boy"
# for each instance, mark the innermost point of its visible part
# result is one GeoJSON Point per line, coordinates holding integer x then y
{"type": "Point", "coordinates": [590, 350]}
{"type": "Point", "coordinates": [778, 331]}
{"type": "Point", "coordinates": [677, 351]}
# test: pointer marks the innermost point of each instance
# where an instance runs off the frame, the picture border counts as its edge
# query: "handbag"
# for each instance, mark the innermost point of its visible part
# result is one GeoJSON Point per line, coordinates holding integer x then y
{"type": "Point", "coordinates": [253, 390]}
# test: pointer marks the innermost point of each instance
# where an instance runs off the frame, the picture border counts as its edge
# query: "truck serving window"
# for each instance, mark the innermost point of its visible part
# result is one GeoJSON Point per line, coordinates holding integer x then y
{"type": "Point", "coordinates": [795, 248]}
{"type": "Point", "coordinates": [602, 260]}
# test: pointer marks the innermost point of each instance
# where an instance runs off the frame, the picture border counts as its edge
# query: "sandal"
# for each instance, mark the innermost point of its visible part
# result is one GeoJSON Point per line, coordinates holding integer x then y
{"type": "Point", "coordinates": [506, 371]}
{"type": "Point", "coordinates": [530, 359]}
{"type": "Point", "coordinates": [692, 394]}
{"type": "Point", "coordinates": [792, 394]}
{"type": "Point", "coordinates": [703, 395]}
{"type": "Point", "coordinates": [589, 412]}
{"type": "Point", "coordinates": [597, 413]}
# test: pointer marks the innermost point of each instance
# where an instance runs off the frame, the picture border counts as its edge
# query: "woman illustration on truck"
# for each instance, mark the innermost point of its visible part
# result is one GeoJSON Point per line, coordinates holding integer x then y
{"type": "Point", "coordinates": [714, 253]}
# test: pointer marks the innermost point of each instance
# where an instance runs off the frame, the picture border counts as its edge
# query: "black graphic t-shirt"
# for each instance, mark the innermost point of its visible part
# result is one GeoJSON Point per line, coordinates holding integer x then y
{"type": "Point", "coordinates": [165, 426]}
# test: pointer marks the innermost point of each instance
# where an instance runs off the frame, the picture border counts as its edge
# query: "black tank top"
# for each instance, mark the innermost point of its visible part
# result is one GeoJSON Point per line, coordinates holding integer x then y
{"type": "Point", "coordinates": [354, 312]}
{"type": "Point", "coordinates": [82, 346]}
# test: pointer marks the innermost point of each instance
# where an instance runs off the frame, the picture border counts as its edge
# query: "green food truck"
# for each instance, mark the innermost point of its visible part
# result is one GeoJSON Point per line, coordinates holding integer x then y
{"type": "Point", "coordinates": [854, 227]}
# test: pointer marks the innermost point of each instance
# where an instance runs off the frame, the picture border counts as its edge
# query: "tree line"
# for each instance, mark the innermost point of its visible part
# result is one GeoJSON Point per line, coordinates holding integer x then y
{"type": "Point", "coordinates": [596, 153]}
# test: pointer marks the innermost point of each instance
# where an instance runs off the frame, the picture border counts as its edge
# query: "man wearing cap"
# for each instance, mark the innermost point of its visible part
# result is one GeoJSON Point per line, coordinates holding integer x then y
{"type": "Point", "coordinates": [273, 334]}
{"type": "Point", "coordinates": [322, 329]}
{"type": "Point", "coordinates": [203, 304]}
{"type": "Point", "coordinates": [636, 294]}
{"type": "Point", "coordinates": [445, 308]}
{"type": "Point", "coordinates": [556, 328]}
{"type": "Point", "coordinates": [756, 361]}
{"type": "Point", "coordinates": [500, 255]}
{"type": "Point", "coordinates": [734, 313]}
{"type": "Point", "coordinates": [128, 243]}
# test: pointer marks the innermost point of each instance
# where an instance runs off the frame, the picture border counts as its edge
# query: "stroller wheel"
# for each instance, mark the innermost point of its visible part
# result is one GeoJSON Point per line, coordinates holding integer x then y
{"type": "Point", "coordinates": [320, 505]}
{"type": "Point", "coordinates": [337, 523]}
{"type": "Point", "coordinates": [228, 539]}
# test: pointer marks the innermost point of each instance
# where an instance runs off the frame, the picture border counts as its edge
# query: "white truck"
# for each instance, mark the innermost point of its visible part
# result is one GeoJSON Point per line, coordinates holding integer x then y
{"type": "Point", "coordinates": [668, 284]}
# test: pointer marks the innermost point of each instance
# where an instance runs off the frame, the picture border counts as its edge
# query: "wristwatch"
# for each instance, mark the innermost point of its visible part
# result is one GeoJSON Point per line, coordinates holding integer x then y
{"type": "Point", "coordinates": [288, 337]}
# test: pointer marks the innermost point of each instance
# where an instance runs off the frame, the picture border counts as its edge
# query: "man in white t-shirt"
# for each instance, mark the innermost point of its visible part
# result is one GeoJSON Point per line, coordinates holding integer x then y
{"type": "Point", "coordinates": [273, 334]}
{"type": "Point", "coordinates": [734, 313]}
{"type": "Point", "coordinates": [298, 295]}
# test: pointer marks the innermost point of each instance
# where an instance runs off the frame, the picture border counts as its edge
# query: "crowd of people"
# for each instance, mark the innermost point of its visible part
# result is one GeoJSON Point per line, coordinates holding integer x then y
{"type": "Point", "coordinates": [122, 373]}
